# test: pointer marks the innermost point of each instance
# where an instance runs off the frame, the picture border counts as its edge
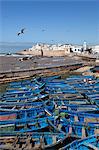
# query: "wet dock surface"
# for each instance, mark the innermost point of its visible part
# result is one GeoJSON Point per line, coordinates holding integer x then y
{"type": "Point", "coordinates": [13, 68]}
{"type": "Point", "coordinates": [12, 63]}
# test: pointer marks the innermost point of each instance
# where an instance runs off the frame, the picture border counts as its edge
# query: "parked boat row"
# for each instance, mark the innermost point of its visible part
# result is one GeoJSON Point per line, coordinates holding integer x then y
{"type": "Point", "coordinates": [50, 113]}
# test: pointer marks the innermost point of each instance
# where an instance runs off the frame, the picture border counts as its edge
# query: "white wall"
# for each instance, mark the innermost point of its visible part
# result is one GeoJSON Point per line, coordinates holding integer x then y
{"type": "Point", "coordinates": [96, 48]}
{"type": "Point", "coordinates": [76, 49]}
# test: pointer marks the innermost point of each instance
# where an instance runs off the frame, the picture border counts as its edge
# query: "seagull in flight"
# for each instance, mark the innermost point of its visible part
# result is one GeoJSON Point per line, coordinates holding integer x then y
{"type": "Point", "coordinates": [21, 32]}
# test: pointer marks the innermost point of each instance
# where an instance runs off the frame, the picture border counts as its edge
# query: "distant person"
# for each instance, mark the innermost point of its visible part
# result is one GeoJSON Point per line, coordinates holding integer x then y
{"type": "Point", "coordinates": [32, 142]}
{"type": "Point", "coordinates": [41, 52]}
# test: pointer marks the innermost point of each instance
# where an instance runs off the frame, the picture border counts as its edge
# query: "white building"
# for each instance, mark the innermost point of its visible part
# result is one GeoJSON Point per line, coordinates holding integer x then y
{"type": "Point", "coordinates": [76, 49]}
{"type": "Point", "coordinates": [95, 49]}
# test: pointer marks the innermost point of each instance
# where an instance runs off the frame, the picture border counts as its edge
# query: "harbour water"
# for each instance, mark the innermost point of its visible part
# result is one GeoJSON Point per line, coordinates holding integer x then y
{"type": "Point", "coordinates": [13, 47]}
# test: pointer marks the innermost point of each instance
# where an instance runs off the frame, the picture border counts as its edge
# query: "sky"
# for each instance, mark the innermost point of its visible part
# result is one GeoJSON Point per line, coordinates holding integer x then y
{"type": "Point", "coordinates": [58, 21]}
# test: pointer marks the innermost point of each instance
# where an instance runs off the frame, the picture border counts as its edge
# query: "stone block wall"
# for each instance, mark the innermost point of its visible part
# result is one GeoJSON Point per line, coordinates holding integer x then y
{"type": "Point", "coordinates": [31, 52]}
{"type": "Point", "coordinates": [53, 53]}
{"type": "Point", "coordinates": [47, 53]}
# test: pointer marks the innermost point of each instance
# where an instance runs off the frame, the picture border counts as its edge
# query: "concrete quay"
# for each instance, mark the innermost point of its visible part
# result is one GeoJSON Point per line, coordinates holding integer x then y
{"type": "Point", "coordinates": [11, 68]}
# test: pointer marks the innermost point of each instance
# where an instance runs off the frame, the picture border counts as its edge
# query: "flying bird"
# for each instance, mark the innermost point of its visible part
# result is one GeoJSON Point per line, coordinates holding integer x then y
{"type": "Point", "coordinates": [21, 32]}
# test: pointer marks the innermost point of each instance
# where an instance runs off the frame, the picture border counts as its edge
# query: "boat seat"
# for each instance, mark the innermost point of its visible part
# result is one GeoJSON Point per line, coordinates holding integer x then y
{"type": "Point", "coordinates": [90, 146]}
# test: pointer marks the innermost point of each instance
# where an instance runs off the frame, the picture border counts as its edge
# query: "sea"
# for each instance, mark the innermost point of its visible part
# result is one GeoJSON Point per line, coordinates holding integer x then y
{"type": "Point", "coordinates": [12, 48]}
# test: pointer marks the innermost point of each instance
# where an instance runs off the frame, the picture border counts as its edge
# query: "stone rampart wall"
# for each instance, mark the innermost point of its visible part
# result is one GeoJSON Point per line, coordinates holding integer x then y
{"type": "Point", "coordinates": [53, 52]}
{"type": "Point", "coordinates": [28, 52]}
{"type": "Point", "coordinates": [47, 53]}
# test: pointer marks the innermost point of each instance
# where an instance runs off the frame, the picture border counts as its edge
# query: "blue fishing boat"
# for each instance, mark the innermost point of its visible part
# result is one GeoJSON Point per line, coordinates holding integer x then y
{"type": "Point", "coordinates": [78, 107]}
{"type": "Point", "coordinates": [25, 126]}
{"type": "Point", "coordinates": [21, 93]}
{"type": "Point", "coordinates": [51, 78]}
{"type": "Point", "coordinates": [70, 110]}
{"type": "Point", "coordinates": [88, 143]}
{"type": "Point", "coordinates": [31, 85]}
{"type": "Point", "coordinates": [27, 81]}
{"type": "Point", "coordinates": [25, 88]}
{"type": "Point", "coordinates": [25, 98]}
{"type": "Point", "coordinates": [78, 129]}
{"type": "Point", "coordinates": [9, 106]}
{"type": "Point", "coordinates": [26, 104]}
{"type": "Point", "coordinates": [7, 114]}
{"type": "Point", "coordinates": [48, 141]}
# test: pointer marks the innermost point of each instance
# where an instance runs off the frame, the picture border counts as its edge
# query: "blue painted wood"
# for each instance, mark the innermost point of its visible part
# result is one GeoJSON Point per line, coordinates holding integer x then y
{"type": "Point", "coordinates": [26, 113]}
{"type": "Point", "coordinates": [24, 97]}
{"type": "Point", "coordinates": [71, 87]}
{"type": "Point", "coordinates": [26, 120]}
{"type": "Point", "coordinates": [51, 78]}
{"type": "Point", "coordinates": [83, 143]}
{"type": "Point", "coordinates": [21, 93]}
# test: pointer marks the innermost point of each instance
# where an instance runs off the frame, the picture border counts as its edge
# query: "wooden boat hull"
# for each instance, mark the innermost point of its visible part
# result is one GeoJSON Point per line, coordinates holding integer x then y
{"type": "Point", "coordinates": [24, 127]}
{"type": "Point", "coordinates": [26, 98]}
{"type": "Point", "coordinates": [86, 144]}
{"type": "Point", "coordinates": [46, 141]}
{"type": "Point", "coordinates": [12, 116]}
